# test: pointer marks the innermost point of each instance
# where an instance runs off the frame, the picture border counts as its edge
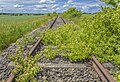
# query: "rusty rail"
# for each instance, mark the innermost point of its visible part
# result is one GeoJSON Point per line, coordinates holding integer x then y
{"type": "Point", "coordinates": [53, 22]}
{"type": "Point", "coordinates": [11, 78]}
{"type": "Point", "coordinates": [34, 48]}
{"type": "Point", "coordinates": [102, 72]}
{"type": "Point", "coordinates": [39, 43]}
{"type": "Point", "coordinates": [63, 20]}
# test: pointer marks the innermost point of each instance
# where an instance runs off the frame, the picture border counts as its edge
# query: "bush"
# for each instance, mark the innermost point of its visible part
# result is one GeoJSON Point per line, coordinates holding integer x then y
{"type": "Point", "coordinates": [72, 12]}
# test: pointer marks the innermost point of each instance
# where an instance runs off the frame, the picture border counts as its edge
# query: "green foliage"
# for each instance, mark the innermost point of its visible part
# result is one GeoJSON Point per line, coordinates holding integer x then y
{"type": "Point", "coordinates": [118, 78]}
{"type": "Point", "coordinates": [98, 35]}
{"type": "Point", "coordinates": [48, 14]}
{"type": "Point", "coordinates": [115, 3]}
{"type": "Point", "coordinates": [54, 14]}
{"type": "Point", "coordinates": [25, 65]}
{"type": "Point", "coordinates": [28, 40]}
{"type": "Point", "coordinates": [50, 52]}
{"type": "Point", "coordinates": [103, 30]}
{"type": "Point", "coordinates": [66, 41]}
{"type": "Point", "coordinates": [72, 12]}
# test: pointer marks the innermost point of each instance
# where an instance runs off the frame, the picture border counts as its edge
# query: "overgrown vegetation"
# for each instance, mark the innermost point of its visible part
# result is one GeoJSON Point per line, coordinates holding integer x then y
{"type": "Point", "coordinates": [14, 27]}
{"type": "Point", "coordinates": [98, 35]}
{"type": "Point", "coordinates": [25, 65]}
{"type": "Point", "coordinates": [103, 30]}
{"type": "Point", "coordinates": [67, 41]}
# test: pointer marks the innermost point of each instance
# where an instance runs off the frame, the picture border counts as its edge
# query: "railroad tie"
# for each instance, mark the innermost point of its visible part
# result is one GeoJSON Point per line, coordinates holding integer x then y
{"type": "Point", "coordinates": [49, 65]}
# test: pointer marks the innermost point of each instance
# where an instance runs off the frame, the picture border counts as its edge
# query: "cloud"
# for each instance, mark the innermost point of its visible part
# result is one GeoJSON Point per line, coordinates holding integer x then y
{"type": "Point", "coordinates": [17, 6]}
{"type": "Point", "coordinates": [44, 9]}
{"type": "Point", "coordinates": [70, 1]}
{"type": "Point", "coordinates": [44, 6]}
{"type": "Point", "coordinates": [47, 1]}
{"type": "Point", "coordinates": [55, 6]}
{"type": "Point", "coordinates": [1, 9]}
{"type": "Point", "coordinates": [89, 6]}
{"type": "Point", "coordinates": [85, 6]}
{"type": "Point", "coordinates": [41, 6]}
{"type": "Point", "coordinates": [65, 6]}
{"type": "Point", "coordinates": [36, 9]}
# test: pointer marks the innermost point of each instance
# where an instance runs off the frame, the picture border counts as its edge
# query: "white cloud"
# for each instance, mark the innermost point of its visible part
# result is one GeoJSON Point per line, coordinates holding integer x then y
{"type": "Point", "coordinates": [70, 1]}
{"type": "Point", "coordinates": [38, 6]}
{"type": "Point", "coordinates": [65, 6]}
{"type": "Point", "coordinates": [47, 1]}
{"type": "Point", "coordinates": [36, 9]}
{"type": "Point", "coordinates": [42, 6]}
{"type": "Point", "coordinates": [44, 9]}
{"type": "Point", "coordinates": [84, 7]}
{"type": "Point", "coordinates": [89, 6]}
{"type": "Point", "coordinates": [57, 8]}
{"type": "Point", "coordinates": [93, 5]}
{"type": "Point", "coordinates": [54, 6]}
{"type": "Point", "coordinates": [17, 6]}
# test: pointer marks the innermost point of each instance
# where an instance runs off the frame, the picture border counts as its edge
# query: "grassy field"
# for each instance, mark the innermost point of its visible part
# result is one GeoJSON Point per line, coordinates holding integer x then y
{"type": "Point", "coordinates": [14, 27]}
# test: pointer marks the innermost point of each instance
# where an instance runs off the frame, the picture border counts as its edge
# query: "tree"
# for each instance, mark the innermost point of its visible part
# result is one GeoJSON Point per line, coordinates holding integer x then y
{"type": "Point", "coordinates": [112, 2]}
{"type": "Point", "coordinates": [72, 12]}
{"type": "Point", "coordinates": [48, 14]}
{"type": "Point", "coordinates": [55, 14]}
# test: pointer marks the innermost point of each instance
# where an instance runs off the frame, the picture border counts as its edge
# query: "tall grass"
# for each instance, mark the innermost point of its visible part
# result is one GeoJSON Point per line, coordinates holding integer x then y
{"type": "Point", "coordinates": [14, 27]}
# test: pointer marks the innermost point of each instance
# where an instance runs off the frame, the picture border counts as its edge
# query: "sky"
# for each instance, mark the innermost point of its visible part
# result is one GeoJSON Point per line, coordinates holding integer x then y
{"type": "Point", "coordinates": [45, 6]}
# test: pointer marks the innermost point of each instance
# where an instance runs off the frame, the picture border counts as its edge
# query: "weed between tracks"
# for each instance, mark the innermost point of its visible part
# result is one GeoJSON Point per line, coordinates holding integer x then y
{"type": "Point", "coordinates": [98, 35]}
{"type": "Point", "coordinates": [25, 65]}
{"type": "Point", "coordinates": [65, 41]}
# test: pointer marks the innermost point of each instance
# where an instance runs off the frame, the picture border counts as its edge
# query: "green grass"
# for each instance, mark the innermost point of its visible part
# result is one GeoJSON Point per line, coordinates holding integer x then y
{"type": "Point", "coordinates": [14, 27]}
{"type": "Point", "coordinates": [82, 17]}
{"type": "Point", "coordinates": [88, 15]}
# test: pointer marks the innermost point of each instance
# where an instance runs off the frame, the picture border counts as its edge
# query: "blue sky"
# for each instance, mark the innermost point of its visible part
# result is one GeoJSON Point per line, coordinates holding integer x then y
{"type": "Point", "coordinates": [45, 6]}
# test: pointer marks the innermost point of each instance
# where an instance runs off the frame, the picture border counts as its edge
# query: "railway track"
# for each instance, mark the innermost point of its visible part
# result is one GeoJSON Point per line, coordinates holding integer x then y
{"type": "Point", "coordinates": [65, 65]}
{"type": "Point", "coordinates": [38, 45]}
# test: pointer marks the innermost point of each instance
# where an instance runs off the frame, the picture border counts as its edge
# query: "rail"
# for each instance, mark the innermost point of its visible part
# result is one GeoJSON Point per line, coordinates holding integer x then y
{"type": "Point", "coordinates": [34, 48]}
{"type": "Point", "coordinates": [102, 72]}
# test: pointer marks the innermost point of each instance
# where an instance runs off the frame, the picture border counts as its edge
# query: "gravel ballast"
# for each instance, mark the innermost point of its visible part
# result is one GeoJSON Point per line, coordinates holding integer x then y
{"type": "Point", "coordinates": [85, 74]}
{"type": "Point", "coordinates": [5, 69]}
